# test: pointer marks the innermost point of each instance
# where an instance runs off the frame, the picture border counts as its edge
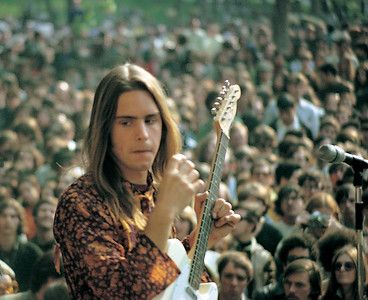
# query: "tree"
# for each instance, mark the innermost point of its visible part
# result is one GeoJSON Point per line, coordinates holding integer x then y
{"type": "Point", "coordinates": [280, 25]}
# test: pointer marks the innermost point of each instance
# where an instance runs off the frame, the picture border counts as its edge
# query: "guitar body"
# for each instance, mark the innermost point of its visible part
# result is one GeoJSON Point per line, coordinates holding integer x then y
{"type": "Point", "coordinates": [178, 290]}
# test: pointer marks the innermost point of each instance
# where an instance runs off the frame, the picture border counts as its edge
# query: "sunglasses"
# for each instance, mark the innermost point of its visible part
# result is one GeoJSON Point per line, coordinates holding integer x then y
{"type": "Point", "coordinates": [348, 266]}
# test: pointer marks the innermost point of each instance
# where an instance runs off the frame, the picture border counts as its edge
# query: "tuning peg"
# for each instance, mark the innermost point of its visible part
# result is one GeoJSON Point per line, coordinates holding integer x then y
{"type": "Point", "coordinates": [213, 111]}
{"type": "Point", "coordinates": [227, 83]}
{"type": "Point", "coordinates": [216, 104]}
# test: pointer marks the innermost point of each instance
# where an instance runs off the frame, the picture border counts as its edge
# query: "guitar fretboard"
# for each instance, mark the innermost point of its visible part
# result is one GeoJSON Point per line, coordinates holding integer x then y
{"type": "Point", "coordinates": [206, 222]}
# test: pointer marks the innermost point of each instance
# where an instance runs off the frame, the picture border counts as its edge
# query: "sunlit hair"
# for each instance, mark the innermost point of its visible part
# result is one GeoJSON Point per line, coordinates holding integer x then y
{"type": "Point", "coordinates": [322, 200]}
{"type": "Point", "coordinates": [14, 204]}
{"type": "Point", "coordinates": [99, 158]}
{"type": "Point", "coordinates": [333, 285]}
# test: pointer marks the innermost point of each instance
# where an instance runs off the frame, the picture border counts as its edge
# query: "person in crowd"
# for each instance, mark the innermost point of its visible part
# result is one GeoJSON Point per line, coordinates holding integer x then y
{"type": "Point", "coordinates": [343, 281]}
{"type": "Point", "coordinates": [43, 213]}
{"type": "Point", "coordinates": [324, 204]}
{"type": "Point", "coordinates": [43, 274]}
{"type": "Point", "coordinates": [302, 280]}
{"type": "Point", "coordinates": [311, 182]}
{"type": "Point", "coordinates": [289, 119]}
{"type": "Point", "coordinates": [333, 240]}
{"type": "Point", "coordinates": [57, 290]}
{"type": "Point", "coordinates": [307, 113]}
{"type": "Point", "coordinates": [19, 254]}
{"type": "Point", "coordinates": [295, 246]}
{"type": "Point", "coordinates": [235, 273]}
{"type": "Point", "coordinates": [255, 196]}
{"type": "Point", "coordinates": [291, 207]}
{"type": "Point", "coordinates": [345, 198]}
{"type": "Point", "coordinates": [244, 235]}
{"type": "Point", "coordinates": [119, 215]}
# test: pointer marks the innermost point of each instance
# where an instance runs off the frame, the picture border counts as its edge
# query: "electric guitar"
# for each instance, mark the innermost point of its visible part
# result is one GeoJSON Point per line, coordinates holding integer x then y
{"type": "Point", "coordinates": [188, 285]}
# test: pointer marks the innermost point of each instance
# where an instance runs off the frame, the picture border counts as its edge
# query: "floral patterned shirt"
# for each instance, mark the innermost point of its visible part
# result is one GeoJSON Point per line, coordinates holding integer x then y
{"type": "Point", "coordinates": [97, 259]}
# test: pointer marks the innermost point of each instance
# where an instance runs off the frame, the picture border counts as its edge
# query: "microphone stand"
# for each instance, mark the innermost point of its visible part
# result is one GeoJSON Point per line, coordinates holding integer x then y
{"type": "Point", "coordinates": [359, 221]}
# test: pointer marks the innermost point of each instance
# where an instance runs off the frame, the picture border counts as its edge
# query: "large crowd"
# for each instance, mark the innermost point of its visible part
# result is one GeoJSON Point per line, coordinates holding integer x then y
{"type": "Point", "coordinates": [298, 211]}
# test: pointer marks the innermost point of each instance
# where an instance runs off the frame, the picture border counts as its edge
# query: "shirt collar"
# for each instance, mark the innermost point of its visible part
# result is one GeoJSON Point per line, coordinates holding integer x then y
{"type": "Point", "coordinates": [139, 188]}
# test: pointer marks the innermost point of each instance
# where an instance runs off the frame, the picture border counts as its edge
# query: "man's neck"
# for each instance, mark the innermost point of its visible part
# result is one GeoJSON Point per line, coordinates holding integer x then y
{"type": "Point", "coordinates": [291, 220]}
{"type": "Point", "coordinates": [44, 235]}
{"type": "Point", "coordinates": [347, 291]}
{"type": "Point", "coordinates": [225, 297]}
{"type": "Point", "coordinates": [7, 242]}
{"type": "Point", "coordinates": [137, 178]}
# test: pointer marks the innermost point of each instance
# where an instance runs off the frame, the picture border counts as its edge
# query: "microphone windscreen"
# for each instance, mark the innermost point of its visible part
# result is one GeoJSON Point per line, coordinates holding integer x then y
{"type": "Point", "coordinates": [331, 153]}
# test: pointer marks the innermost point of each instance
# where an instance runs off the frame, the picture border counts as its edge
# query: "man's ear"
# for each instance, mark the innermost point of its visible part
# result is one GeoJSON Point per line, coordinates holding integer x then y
{"type": "Point", "coordinates": [259, 225]}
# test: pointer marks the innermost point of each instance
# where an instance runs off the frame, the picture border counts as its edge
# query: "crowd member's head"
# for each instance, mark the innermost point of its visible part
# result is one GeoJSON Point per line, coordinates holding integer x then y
{"type": "Point", "coordinates": [8, 147]}
{"type": "Point", "coordinates": [345, 198]}
{"type": "Point", "coordinates": [328, 73]}
{"type": "Point", "coordinates": [235, 273]}
{"type": "Point", "coordinates": [43, 274]}
{"type": "Point", "coordinates": [244, 158]}
{"type": "Point", "coordinates": [295, 246]}
{"type": "Point", "coordinates": [264, 138]}
{"type": "Point", "coordinates": [255, 196]}
{"type": "Point", "coordinates": [296, 85]}
{"type": "Point", "coordinates": [302, 280]}
{"type": "Point", "coordinates": [336, 173]}
{"type": "Point", "coordinates": [344, 274]}
{"type": "Point", "coordinates": [11, 218]}
{"type": "Point", "coordinates": [329, 128]}
{"type": "Point", "coordinates": [284, 172]}
{"type": "Point", "coordinates": [331, 242]}
{"type": "Point", "coordinates": [331, 103]}
{"type": "Point", "coordinates": [43, 214]}
{"type": "Point", "coordinates": [57, 290]}
{"type": "Point", "coordinates": [289, 203]}
{"type": "Point", "coordinates": [262, 172]}
{"type": "Point", "coordinates": [310, 182]}
{"type": "Point", "coordinates": [238, 136]}
{"type": "Point", "coordinates": [287, 109]}
{"type": "Point", "coordinates": [324, 203]}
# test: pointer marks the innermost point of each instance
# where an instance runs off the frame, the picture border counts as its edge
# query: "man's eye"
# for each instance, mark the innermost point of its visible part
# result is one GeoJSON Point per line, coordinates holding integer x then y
{"type": "Point", "coordinates": [151, 120]}
{"type": "Point", "coordinates": [125, 122]}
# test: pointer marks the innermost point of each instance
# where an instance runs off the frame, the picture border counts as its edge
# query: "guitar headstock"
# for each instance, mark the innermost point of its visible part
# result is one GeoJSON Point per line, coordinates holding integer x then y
{"type": "Point", "coordinates": [225, 105]}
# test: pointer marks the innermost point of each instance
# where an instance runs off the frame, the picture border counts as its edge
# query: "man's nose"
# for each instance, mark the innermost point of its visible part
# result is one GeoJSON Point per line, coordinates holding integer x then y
{"type": "Point", "coordinates": [142, 132]}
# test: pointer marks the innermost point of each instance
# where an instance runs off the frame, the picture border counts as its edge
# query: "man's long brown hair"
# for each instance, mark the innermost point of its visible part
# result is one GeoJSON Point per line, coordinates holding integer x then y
{"type": "Point", "coordinates": [99, 158]}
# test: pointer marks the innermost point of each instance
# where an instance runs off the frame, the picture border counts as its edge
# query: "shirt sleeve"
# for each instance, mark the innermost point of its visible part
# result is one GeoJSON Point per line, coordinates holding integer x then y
{"type": "Point", "coordinates": [96, 259]}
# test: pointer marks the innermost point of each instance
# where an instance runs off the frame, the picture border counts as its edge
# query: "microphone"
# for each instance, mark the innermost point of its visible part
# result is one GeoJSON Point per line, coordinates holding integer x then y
{"type": "Point", "coordinates": [335, 154]}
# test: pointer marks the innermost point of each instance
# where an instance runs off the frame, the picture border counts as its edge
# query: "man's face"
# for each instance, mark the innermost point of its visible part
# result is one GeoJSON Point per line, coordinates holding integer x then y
{"type": "Point", "coordinates": [245, 229]}
{"type": "Point", "coordinates": [45, 215]}
{"type": "Point", "coordinates": [136, 134]}
{"type": "Point", "coordinates": [287, 115]}
{"type": "Point", "coordinates": [9, 222]}
{"type": "Point", "coordinates": [297, 286]}
{"type": "Point", "coordinates": [292, 205]}
{"type": "Point", "coordinates": [233, 281]}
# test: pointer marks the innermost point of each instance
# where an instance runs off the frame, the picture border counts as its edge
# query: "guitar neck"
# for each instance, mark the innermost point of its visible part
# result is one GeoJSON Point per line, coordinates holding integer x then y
{"type": "Point", "coordinates": [197, 265]}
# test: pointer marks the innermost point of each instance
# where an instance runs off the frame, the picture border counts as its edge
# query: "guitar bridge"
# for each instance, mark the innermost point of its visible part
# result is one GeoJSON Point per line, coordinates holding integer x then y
{"type": "Point", "coordinates": [191, 292]}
